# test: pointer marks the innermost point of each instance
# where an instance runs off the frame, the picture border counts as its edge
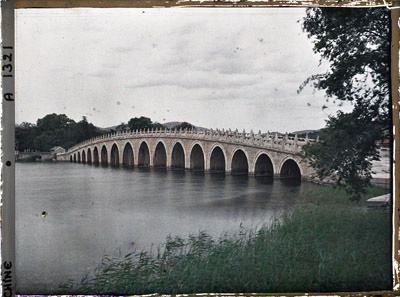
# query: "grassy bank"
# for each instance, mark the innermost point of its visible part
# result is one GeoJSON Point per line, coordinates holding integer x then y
{"type": "Point", "coordinates": [329, 244]}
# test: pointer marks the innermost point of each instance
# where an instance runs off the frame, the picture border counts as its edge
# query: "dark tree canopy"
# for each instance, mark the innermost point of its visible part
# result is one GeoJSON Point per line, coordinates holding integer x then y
{"type": "Point", "coordinates": [25, 135]}
{"type": "Point", "coordinates": [356, 45]}
{"type": "Point", "coordinates": [347, 148]}
{"type": "Point", "coordinates": [184, 125]}
{"type": "Point", "coordinates": [53, 130]}
{"type": "Point", "coordinates": [59, 130]}
{"type": "Point", "coordinates": [140, 123]}
{"type": "Point", "coordinates": [52, 122]}
{"type": "Point", "coordinates": [143, 123]}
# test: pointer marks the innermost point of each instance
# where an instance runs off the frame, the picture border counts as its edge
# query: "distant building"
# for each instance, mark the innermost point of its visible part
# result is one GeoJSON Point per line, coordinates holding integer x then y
{"type": "Point", "coordinates": [57, 150]}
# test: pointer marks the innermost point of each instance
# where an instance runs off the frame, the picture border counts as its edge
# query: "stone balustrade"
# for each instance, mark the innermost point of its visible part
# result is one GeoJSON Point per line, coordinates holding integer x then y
{"type": "Point", "coordinates": [272, 141]}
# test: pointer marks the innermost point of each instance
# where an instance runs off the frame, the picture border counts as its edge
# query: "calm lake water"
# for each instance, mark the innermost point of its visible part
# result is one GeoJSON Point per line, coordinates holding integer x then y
{"type": "Point", "coordinates": [68, 216]}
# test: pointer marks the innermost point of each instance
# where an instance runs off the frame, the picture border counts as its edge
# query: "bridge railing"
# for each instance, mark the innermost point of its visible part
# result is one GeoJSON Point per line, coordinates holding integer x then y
{"type": "Point", "coordinates": [288, 143]}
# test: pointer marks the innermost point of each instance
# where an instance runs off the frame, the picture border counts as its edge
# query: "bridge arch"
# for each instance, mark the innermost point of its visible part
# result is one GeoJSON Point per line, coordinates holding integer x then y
{"type": "Point", "coordinates": [195, 152]}
{"type": "Point", "coordinates": [104, 156]}
{"type": "Point", "coordinates": [144, 155]}
{"type": "Point", "coordinates": [263, 165]}
{"type": "Point", "coordinates": [160, 156]}
{"type": "Point", "coordinates": [240, 163]}
{"type": "Point", "coordinates": [178, 156]}
{"type": "Point", "coordinates": [114, 158]}
{"type": "Point", "coordinates": [290, 169]}
{"type": "Point", "coordinates": [217, 160]}
{"type": "Point", "coordinates": [197, 157]}
{"type": "Point", "coordinates": [127, 156]}
{"type": "Point", "coordinates": [96, 159]}
{"type": "Point", "coordinates": [83, 156]}
{"type": "Point", "coordinates": [89, 156]}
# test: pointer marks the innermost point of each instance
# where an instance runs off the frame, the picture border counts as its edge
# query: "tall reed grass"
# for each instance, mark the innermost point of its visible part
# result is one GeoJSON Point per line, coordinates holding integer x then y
{"type": "Point", "coordinates": [327, 245]}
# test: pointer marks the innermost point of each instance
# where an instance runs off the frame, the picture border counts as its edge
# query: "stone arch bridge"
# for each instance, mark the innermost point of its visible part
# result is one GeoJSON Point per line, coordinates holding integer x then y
{"type": "Point", "coordinates": [213, 151]}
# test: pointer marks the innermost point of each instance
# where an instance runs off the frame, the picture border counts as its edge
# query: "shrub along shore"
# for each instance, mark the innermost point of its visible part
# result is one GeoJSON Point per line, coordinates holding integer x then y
{"type": "Point", "coordinates": [328, 244]}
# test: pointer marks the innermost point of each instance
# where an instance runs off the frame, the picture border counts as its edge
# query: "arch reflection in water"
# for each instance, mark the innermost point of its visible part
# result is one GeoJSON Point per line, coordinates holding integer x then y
{"type": "Point", "coordinates": [137, 200]}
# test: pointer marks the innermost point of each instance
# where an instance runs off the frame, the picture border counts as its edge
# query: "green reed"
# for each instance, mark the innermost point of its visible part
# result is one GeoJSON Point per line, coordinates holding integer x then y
{"type": "Point", "coordinates": [327, 245]}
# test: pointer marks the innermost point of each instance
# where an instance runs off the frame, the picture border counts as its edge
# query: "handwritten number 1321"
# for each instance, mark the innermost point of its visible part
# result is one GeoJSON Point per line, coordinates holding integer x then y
{"type": "Point", "coordinates": [7, 67]}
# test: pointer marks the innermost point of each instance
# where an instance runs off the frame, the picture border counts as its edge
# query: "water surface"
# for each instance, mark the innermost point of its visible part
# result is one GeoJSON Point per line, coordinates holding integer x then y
{"type": "Point", "coordinates": [68, 216]}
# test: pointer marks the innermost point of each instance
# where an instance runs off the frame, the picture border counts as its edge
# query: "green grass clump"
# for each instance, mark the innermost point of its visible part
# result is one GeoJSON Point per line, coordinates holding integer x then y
{"type": "Point", "coordinates": [316, 248]}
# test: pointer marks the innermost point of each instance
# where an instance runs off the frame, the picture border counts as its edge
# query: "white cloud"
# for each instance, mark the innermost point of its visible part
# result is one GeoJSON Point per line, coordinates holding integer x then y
{"type": "Point", "coordinates": [203, 65]}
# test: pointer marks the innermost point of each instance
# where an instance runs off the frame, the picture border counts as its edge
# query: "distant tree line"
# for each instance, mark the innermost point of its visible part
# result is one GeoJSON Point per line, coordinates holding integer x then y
{"type": "Point", "coordinates": [53, 130]}
{"type": "Point", "coordinates": [146, 123]}
{"type": "Point", "coordinates": [59, 130]}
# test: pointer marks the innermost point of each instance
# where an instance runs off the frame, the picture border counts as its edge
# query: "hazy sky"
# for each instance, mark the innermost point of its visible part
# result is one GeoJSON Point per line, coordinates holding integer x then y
{"type": "Point", "coordinates": [215, 68]}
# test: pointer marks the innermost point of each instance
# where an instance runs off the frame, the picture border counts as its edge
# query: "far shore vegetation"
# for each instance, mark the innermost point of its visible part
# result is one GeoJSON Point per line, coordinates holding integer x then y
{"type": "Point", "coordinates": [329, 244]}
{"type": "Point", "coordinates": [59, 130]}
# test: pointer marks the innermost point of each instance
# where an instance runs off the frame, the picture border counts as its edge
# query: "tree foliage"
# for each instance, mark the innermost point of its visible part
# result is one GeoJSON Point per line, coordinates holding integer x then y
{"type": "Point", "coordinates": [53, 130]}
{"type": "Point", "coordinates": [347, 150]}
{"type": "Point", "coordinates": [143, 123]}
{"type": "Point", "coordinates": [356, 45]}
{"type": "Point", "coordinates": [184, 125]}
{"type": "Point", "coordinates": [140, 123]}
{"type": "Point", "coordinates": [25, 135]}
{"type": "Point", "coordinates": [59, 130]}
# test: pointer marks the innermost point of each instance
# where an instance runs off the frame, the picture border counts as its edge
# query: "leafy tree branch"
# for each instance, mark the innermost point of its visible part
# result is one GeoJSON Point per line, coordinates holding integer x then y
{"type": "Point", "coordinates": [356, 45]}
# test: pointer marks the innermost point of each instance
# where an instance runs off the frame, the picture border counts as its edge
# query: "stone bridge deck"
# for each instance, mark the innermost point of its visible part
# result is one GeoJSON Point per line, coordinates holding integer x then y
{"type": "Point", "coordinates": [210, 151]}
